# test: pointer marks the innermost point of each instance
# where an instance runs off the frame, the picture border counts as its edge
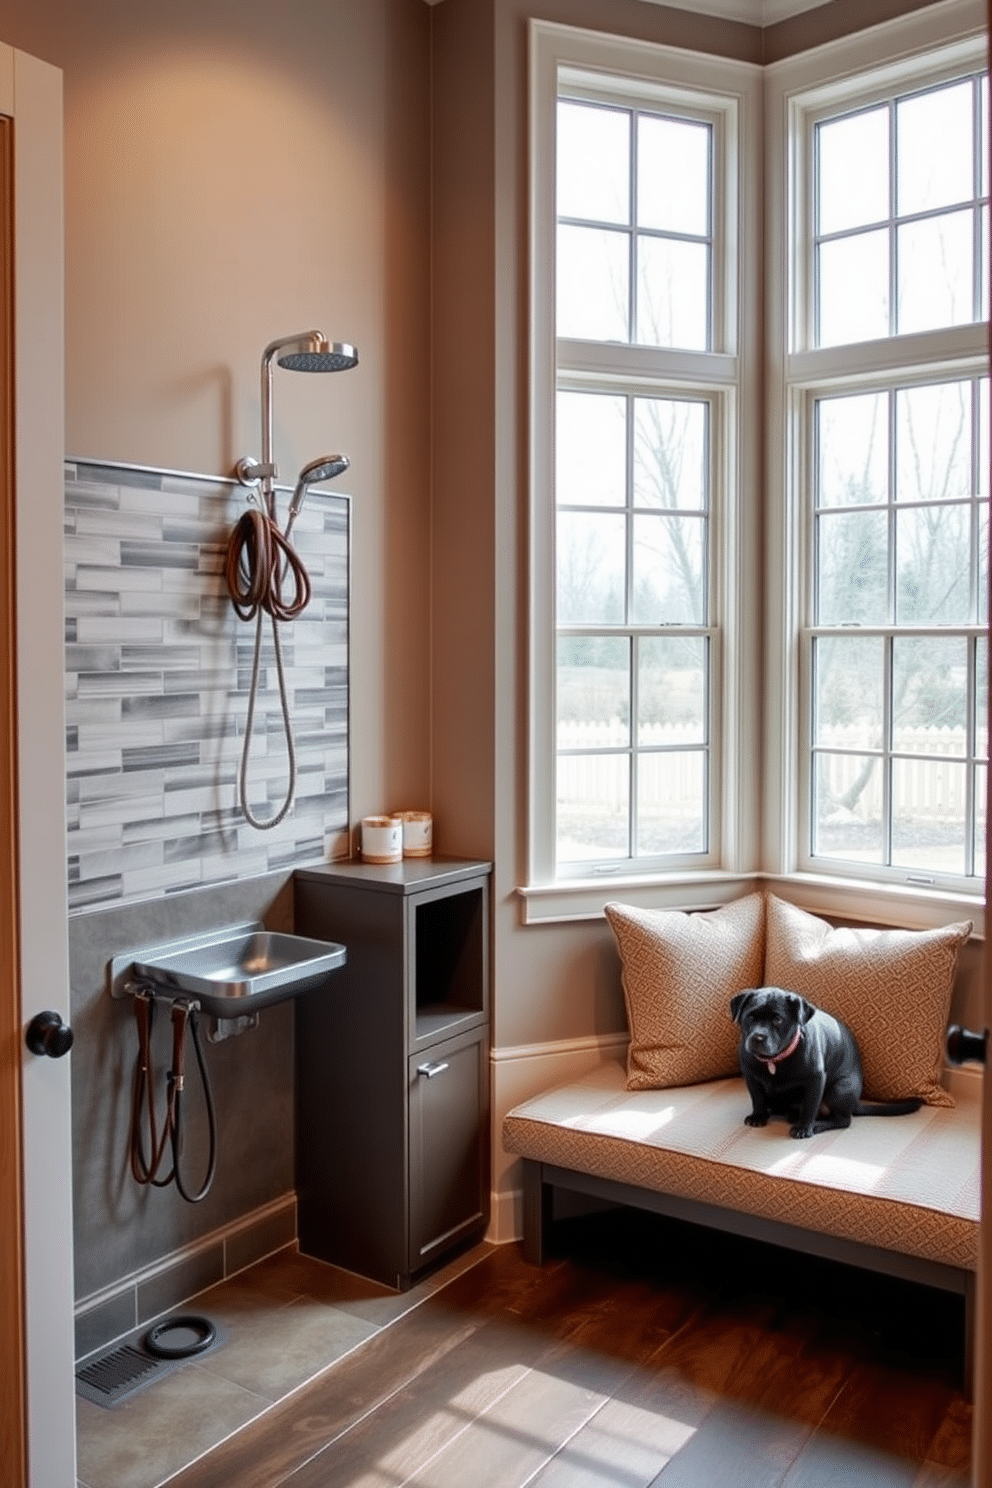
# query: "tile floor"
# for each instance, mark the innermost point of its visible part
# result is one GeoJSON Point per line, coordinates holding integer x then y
{"type": "Point", "coordinates": [279, 1324]}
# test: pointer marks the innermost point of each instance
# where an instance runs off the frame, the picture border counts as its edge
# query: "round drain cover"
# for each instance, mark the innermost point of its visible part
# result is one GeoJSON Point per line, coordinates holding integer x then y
{"type": "Point", "coordinates": [178, 1337]}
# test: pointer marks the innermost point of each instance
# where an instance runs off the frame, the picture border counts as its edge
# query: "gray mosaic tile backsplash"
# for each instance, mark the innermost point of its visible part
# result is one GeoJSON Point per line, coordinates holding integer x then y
{"type": "Point", "coordinates": [157, 674]}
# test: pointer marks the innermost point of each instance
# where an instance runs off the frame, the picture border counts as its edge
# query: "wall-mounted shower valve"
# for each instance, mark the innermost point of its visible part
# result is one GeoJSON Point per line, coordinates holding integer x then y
{"type": "Point", "coordinates": [250, 472]}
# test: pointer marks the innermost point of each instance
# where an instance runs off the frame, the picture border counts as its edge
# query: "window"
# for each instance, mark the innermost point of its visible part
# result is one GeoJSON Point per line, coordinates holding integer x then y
{"type": "Point", "coordinates": [634, 671]}
{"type": "Point", "coordinates": [892, 476]}
{"type": "Point", "coordinates": [898, 662]}
{"type": "Point", "coordinates": [901, 214]}
{"type": "Point", "coordinates": [638, 486]}
{"type": "Point", "coordinates": [635, 224]}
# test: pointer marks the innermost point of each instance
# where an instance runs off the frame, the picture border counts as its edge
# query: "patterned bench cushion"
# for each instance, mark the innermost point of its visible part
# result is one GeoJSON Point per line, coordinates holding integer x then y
{"type": "Point", "coordinates": [906, 1183]}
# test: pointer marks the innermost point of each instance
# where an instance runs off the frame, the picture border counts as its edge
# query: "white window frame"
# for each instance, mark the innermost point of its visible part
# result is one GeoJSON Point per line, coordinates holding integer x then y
{"type": "Point", "coordinates": [922, 49]}
{"type": "Point", "coordinates": [729, 95]}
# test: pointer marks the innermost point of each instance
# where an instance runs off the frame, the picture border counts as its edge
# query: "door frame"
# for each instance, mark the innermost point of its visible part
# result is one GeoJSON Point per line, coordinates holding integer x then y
{"type": "Point", "coordinates": [13, 1420]}
{"type": "Point", "coordinates": [32, 785]}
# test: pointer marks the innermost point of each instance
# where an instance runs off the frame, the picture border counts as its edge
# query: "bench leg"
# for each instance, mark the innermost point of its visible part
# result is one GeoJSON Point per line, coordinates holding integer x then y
{"type": "Point", "coordinates": [537, 1213]}
{"type": "Point", "coordinates": [970, 1304]}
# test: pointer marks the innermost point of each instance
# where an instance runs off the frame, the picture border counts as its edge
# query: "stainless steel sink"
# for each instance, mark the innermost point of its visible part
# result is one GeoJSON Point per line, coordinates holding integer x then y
{"type": "Point", "coordinates": [229, 972]}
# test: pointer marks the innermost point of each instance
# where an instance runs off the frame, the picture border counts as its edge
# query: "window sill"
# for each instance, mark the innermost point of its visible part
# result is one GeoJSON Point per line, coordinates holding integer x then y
{"type": "Point", "coordinates": [584, 898]}
{"type": "Point", "coordinates": [908, 906]}
{"type": "Point", "coordinates": [904, 905]}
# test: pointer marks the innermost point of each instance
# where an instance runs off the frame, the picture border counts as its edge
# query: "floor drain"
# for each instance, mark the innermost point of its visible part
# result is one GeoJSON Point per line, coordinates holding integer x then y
{"type": "Point", "coordinates": [121, 1373]}
{"type": "Point", "coordinates": [180, 1337]}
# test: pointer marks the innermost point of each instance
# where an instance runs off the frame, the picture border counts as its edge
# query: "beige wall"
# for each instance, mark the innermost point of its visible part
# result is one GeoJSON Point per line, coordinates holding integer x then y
{"type": "Point", "coordinates": [237, 172]}
{"type": "Point", "coordinates": [463, 616]}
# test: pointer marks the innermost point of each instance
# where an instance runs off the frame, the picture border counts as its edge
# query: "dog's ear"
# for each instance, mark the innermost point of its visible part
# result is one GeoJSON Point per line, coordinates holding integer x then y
{"type": "Point", "coordinates": [739, 1002]}
{"type": "Point", "coordinates": [803, 1010]}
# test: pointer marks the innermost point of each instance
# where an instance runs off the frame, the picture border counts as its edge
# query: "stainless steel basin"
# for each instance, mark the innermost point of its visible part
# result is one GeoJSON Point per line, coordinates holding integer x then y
{"type": "Point", "coordinates": [230, 972]}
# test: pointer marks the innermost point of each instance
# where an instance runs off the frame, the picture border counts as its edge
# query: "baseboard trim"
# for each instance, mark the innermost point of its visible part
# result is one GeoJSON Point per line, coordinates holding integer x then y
{"type": "Point", "coordinates": [604, 1045]}
{"type": "Point", "coordinates": [143, 1295]}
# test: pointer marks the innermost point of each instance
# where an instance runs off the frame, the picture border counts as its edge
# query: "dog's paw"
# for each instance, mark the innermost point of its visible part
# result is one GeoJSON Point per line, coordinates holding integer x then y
{"type": "Point", "coordinates": [799, 1132]}
{"type": "Point", "coordinates": [754, 1120]}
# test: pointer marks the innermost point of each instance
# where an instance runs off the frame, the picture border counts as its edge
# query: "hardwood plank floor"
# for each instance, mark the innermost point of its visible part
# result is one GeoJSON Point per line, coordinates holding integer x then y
{"type": "Point", "coordinates": [644, 1353]}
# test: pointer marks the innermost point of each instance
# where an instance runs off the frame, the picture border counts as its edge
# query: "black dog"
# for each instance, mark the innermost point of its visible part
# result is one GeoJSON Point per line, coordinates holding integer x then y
{"type": "Point", "coordinates": [800, 1061]}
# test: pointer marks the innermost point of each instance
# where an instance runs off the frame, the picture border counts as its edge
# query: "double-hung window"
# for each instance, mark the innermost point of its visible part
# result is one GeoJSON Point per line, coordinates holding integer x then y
{"type": "Point", "coordinates": [886, 474]}
{"type": "Point", "coordinates": [760, 521]}
{"type": "Point", "coordinates": [641, 472]}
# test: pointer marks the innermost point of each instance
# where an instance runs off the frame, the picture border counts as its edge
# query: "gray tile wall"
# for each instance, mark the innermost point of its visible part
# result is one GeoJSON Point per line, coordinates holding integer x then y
{"type": "Point", "coordinates": [157, 674]}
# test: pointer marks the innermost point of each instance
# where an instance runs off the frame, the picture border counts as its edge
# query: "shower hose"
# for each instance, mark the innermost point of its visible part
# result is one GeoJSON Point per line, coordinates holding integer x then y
{"type": "Point", "coordinates": [145, 1169]}
{"type": "Point", "coordinates": [259, 560]}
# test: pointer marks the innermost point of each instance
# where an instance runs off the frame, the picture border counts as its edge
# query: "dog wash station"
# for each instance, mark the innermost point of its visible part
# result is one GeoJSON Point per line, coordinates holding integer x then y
{"type": "Point", "coordinates": [666, 1131]}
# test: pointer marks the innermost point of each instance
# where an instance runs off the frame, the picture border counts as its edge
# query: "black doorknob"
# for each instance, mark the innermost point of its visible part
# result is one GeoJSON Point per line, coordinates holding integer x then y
{"type": "Point", "coordinates": [963, 1044]}
{"type": "Point", "coordinates": [47, 1034]}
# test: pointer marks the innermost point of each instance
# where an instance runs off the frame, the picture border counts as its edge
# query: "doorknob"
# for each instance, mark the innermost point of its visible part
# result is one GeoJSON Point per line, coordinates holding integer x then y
{"type": "Point", "coordinates": [47, 1034]}
{"type": "Point", "coordinates": [963, 1044]}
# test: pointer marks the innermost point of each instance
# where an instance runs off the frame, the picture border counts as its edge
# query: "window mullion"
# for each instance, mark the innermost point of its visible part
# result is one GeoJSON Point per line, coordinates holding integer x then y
{"type": "Point", "coordinates": [632, 650]}
{"type": "Point", "coordinates": [976, 211]}
{"type": "Point", "coordinates": [633, 292]}
{"type": "Point", "coordinates": [888, 731]}
{"type": "Point", "coordinates": [892, 567]}
{"type": "Point", "coordinates": [893, 231]}
{"type": "Point", "coordinates": [632, 752]}
{"type": "Point", "coordinates": [971, 751]}
{"type": "Point", "coordinates": [974, 605]}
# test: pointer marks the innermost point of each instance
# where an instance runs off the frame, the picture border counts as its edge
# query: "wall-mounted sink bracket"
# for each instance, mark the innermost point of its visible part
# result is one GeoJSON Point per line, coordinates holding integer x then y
{"type": "Point", "coordinates": [230, 974]}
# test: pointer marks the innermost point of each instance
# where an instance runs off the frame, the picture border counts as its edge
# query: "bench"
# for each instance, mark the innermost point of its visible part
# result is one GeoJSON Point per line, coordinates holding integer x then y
{"type": "Point", "coordinates": [899, 1196]}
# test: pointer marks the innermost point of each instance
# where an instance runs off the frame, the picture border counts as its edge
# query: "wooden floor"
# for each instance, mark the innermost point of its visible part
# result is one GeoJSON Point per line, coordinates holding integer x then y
{"type": "Point", "coordinates": [643, 1353]}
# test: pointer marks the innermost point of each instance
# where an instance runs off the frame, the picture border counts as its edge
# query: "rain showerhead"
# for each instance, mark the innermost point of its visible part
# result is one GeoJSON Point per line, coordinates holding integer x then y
{"type": "Point", "coordinates": [324, 468]}
{"type": "Point", "coordinates": [313, 354]}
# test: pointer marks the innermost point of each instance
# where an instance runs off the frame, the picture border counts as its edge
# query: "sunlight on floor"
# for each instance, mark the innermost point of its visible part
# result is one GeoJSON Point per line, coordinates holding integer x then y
{"type": "Point", "coordinates": [516, 1411]}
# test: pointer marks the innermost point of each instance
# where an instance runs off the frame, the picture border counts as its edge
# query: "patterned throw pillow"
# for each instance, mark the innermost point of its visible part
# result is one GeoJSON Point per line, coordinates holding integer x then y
{"type": "Point", "coordinates": [891, 987]}
{"type": "Point", "coordinates": [679, 972]}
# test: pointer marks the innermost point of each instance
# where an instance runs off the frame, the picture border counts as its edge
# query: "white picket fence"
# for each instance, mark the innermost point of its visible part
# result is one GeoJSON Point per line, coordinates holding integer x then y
{"type": "Point", "coordinates": [933, 783]}
{"type": "Point", "coordinates": [599, 780]}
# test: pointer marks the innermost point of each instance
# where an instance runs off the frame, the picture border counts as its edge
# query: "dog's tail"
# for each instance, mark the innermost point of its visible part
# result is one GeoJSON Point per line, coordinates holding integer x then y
{"type": "Point", "coordinates": [887, 1108]}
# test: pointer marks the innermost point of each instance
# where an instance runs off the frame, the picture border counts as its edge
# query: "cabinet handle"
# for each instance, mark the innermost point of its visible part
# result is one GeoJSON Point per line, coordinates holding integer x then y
{"type": "Point", "coordinates": [430, 1070]}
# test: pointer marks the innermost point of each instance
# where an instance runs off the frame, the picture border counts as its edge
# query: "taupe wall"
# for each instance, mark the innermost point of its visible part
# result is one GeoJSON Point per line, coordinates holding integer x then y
{"type": "Point", "coordinates": [235, 172]}
{"type": "Point", "coordinates": [463, 612]}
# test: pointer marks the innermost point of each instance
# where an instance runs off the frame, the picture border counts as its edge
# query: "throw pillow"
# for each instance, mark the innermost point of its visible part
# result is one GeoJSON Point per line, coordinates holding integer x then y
{"type": "Point", "coordinates": [679, 971]}
{"type": "Point", "coordinates": [891, 987]}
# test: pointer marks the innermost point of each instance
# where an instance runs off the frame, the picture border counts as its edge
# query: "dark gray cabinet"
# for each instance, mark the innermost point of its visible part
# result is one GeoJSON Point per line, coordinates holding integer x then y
{"type": "Point", "coordinates": [392, 1055]}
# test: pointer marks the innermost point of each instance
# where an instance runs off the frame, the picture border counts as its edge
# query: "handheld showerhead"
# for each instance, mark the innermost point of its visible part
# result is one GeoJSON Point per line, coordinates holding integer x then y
{"type": "Point", "coordinates": [324, 468]}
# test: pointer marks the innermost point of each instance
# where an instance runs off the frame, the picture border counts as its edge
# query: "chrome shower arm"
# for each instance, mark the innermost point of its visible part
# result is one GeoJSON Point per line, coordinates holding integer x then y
{"type": "Point", "coordinates": [306, 351]}
{"type": "Point", "coordinates": [267, 472]}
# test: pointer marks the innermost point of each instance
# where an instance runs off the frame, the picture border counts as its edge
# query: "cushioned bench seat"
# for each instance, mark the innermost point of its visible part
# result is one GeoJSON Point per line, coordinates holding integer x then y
{"type": "Point", "coordinates": [896, 1194]}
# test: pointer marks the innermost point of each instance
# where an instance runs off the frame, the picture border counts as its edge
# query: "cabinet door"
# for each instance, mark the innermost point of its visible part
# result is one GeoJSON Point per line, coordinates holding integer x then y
{"type": "Point", "coordinates": [449, 1149]}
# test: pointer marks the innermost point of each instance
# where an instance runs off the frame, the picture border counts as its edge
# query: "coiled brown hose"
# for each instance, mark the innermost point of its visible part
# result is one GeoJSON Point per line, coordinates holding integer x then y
{"type": "Point", "coordinates": [259, 558]}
